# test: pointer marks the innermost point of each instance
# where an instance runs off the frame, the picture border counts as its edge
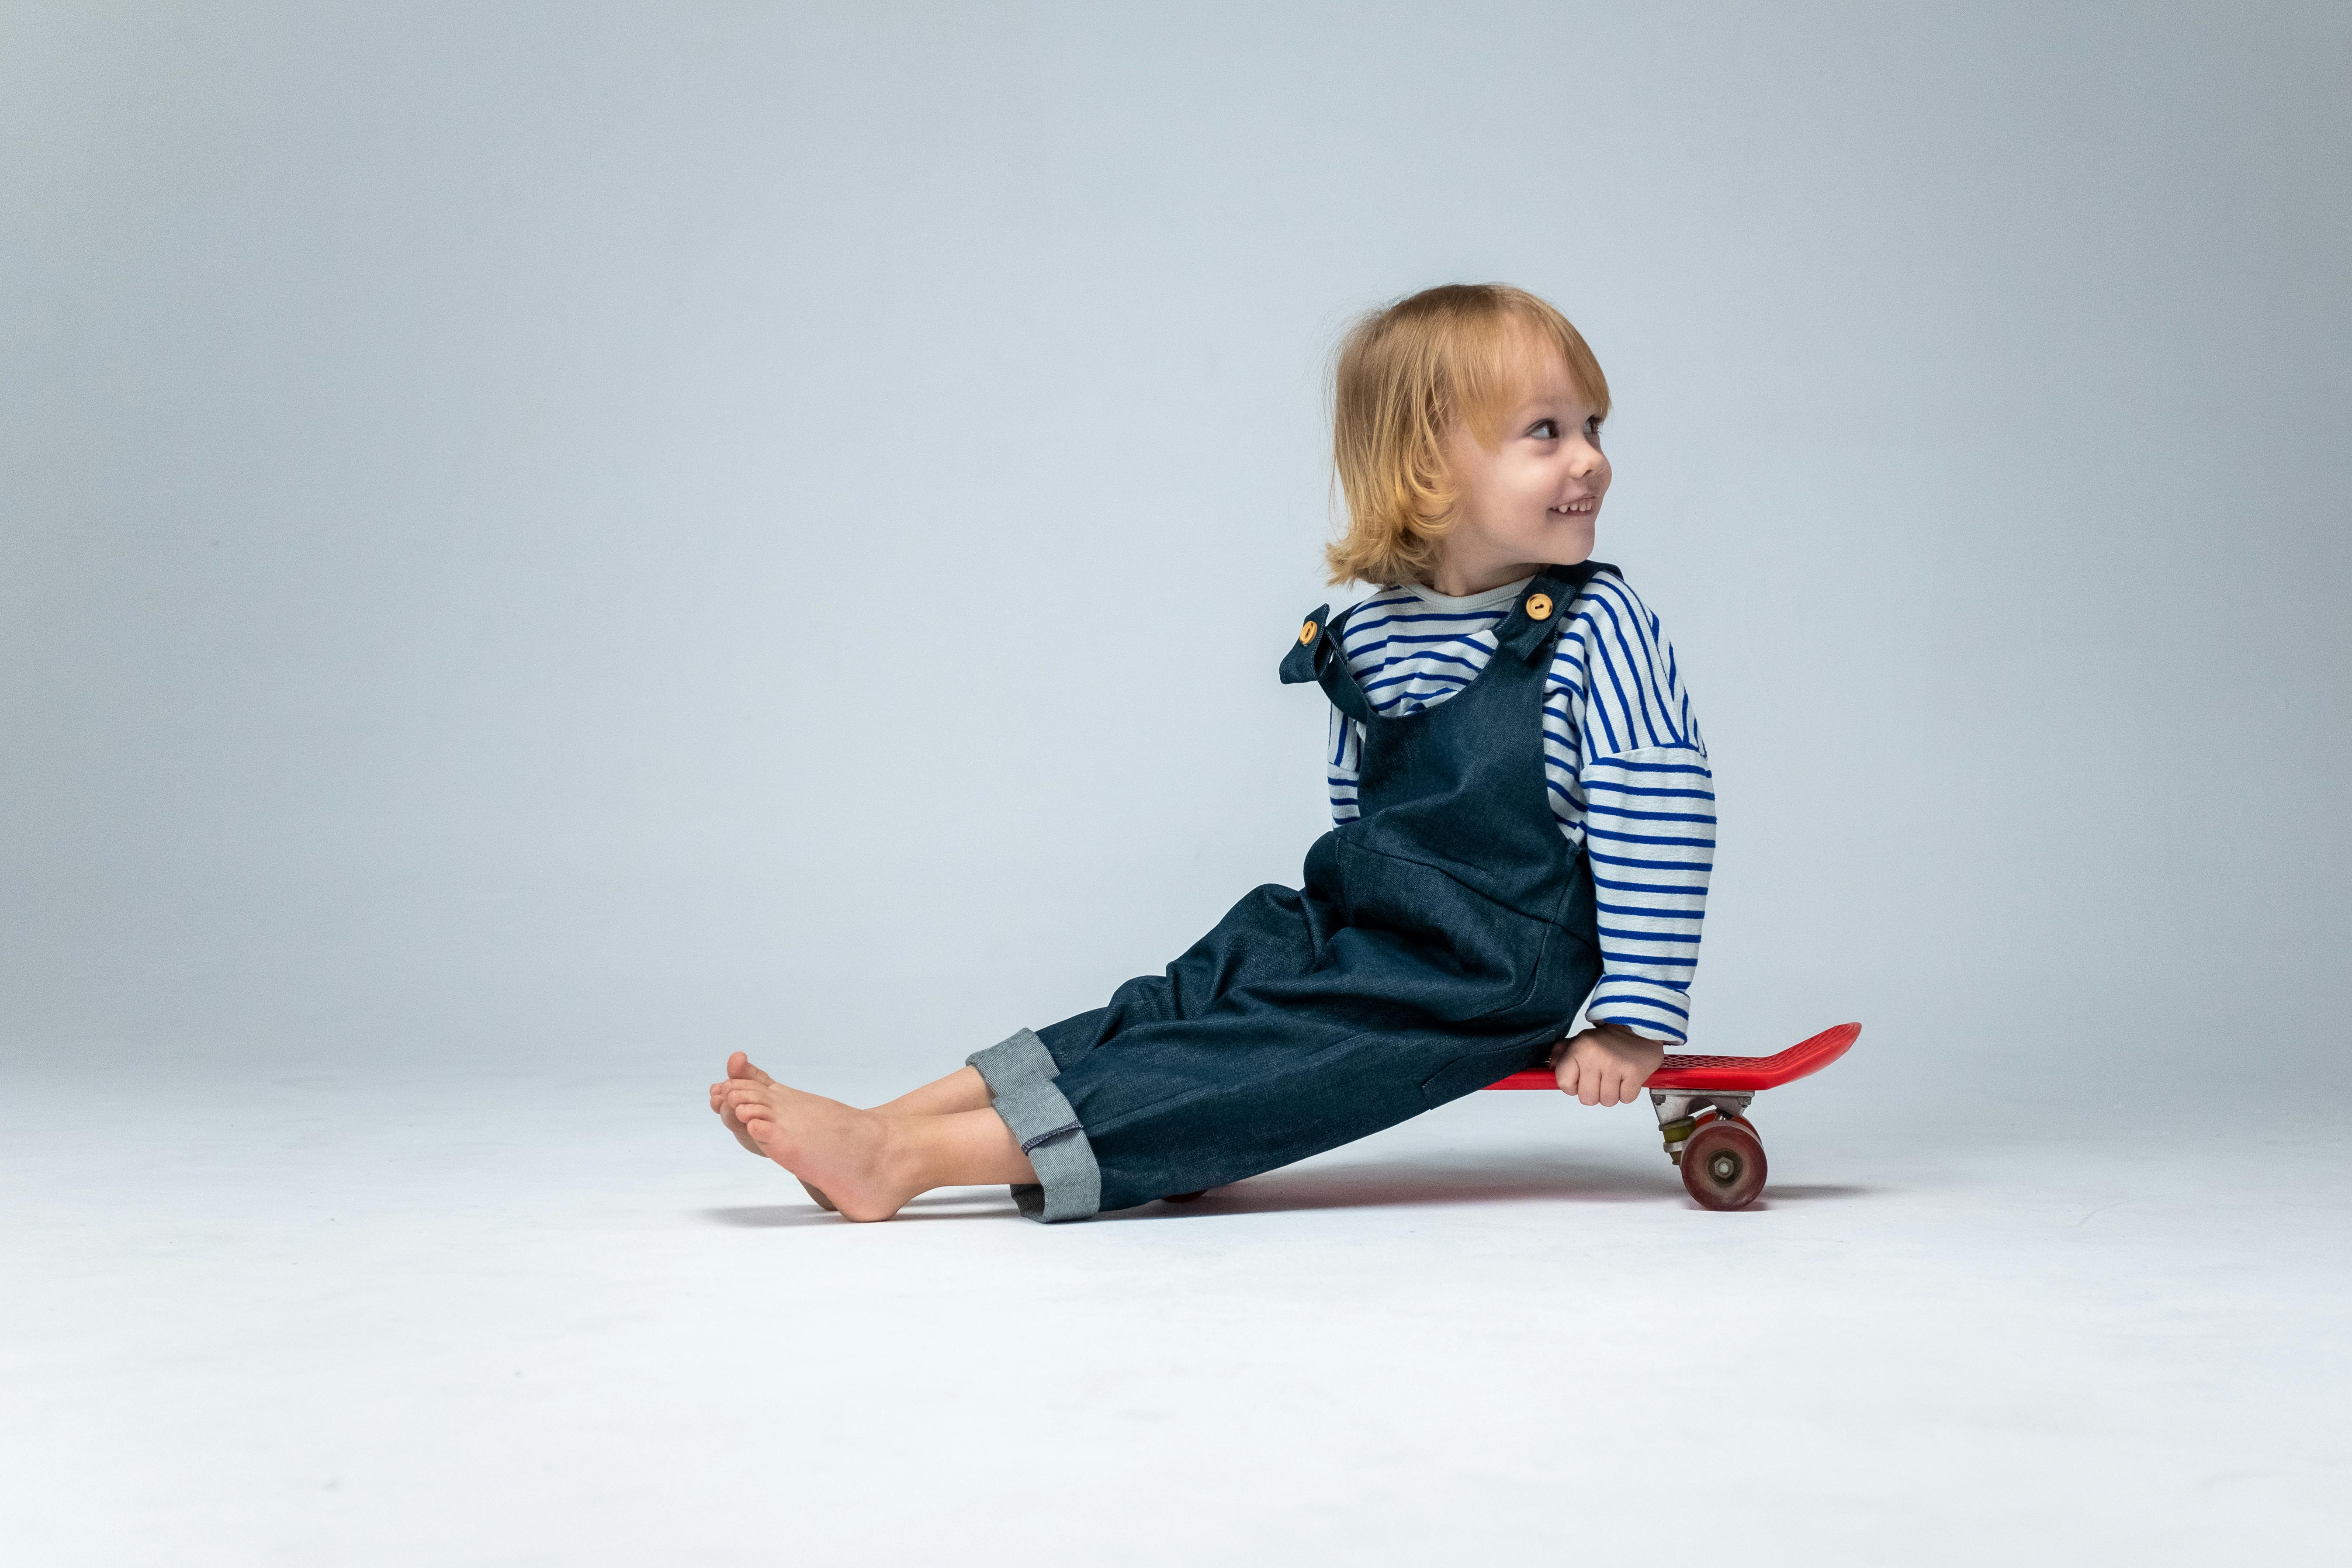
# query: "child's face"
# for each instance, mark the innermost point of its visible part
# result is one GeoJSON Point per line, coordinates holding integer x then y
{"type": "Point", "coordinates": [1530, 500]}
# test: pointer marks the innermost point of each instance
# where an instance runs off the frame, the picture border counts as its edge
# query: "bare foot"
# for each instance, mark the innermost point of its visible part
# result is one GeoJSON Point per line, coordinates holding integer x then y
{"type": "Point", "coordinates": [739, 1066]}
{"type": "Point", "coordinates": [847, 1156]}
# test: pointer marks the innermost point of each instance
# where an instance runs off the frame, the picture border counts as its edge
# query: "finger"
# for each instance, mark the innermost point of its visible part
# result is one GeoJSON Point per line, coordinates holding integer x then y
{"type": "Point", "coordinates": [1564, 1075]}
{"type": "Point", "coordinates": [1589, 1088]}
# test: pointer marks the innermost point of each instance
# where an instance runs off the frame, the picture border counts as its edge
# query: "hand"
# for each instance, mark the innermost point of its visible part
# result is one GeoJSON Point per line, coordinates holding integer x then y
{"type": "Point", "coordinates": [1605, 1064]}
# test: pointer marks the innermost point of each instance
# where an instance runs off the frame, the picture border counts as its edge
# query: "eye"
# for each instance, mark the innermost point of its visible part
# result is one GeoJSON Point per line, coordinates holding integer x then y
{"type": "Point", "coordinates": [1545, 430]}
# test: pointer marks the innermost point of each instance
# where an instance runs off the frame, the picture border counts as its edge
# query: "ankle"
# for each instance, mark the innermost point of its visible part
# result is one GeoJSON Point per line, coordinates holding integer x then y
{"type": "Point", "coordinates": [906, 1157]}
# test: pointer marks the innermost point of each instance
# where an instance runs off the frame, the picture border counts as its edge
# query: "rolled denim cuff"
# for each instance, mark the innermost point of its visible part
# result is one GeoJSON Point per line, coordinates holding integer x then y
{"type": "Point", "coordinates": [1019, 1073]}
{"type": "Point", "coordinates": [1014, 1059]}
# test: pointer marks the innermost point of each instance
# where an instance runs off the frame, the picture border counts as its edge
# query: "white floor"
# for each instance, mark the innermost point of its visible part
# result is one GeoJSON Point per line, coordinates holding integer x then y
{"type": "Point", "coordinates": [525, 1318]}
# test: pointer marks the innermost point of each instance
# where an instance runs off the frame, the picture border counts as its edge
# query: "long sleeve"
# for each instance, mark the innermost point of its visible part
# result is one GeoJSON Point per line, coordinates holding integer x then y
{"type": "Point", "coordinates": [1649, 831]}
{"type": "Point", "coordinates": [1629, 778]}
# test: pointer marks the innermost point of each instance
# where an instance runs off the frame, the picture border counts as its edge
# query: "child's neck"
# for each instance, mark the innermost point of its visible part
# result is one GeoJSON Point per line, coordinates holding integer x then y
{"type": "Point", "coordinates": [1460, 580]}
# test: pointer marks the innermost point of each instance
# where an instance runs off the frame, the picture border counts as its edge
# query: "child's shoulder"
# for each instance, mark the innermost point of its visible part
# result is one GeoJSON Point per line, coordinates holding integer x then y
{"type": "Point", "coordinates": [1608, 598]}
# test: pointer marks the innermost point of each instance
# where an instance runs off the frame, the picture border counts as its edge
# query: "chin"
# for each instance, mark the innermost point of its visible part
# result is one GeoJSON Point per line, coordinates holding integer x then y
{"type": "Point", "coordinates": [1566, 543]}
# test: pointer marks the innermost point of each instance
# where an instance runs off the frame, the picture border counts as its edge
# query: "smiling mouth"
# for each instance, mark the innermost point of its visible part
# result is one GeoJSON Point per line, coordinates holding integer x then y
{"type": "Point", "coordinates": [1585, 508]}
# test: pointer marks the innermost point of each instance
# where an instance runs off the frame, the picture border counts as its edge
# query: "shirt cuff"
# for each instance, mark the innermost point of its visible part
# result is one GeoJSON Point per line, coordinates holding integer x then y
{"type": "Point", "coordinates": [1650, 1008]}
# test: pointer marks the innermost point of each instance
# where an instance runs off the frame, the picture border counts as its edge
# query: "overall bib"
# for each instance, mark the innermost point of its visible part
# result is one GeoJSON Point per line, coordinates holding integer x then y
{"type": "Point", "coordinates": [1442, 941]}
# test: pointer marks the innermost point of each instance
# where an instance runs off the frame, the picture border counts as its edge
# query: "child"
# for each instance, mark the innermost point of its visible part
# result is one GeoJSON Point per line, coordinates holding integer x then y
{"type": "Point", "coordinates": [1523, 822]}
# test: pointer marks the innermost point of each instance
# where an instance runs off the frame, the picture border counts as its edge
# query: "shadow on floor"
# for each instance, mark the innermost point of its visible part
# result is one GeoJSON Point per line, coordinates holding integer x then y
{"type": "Point", "coordinates": [1424, 1181]}
{"type": "Point", "coordinates": [1804, 1192]}
{"type": "Point", "coordinates": [768, 1217]}
{"type": "Point", "coordinates": [1501, 1176]}
{"type": "Point", "coordinates": [978, 1203]}
{"type": "Point", "coordinates": [1493, 1176]}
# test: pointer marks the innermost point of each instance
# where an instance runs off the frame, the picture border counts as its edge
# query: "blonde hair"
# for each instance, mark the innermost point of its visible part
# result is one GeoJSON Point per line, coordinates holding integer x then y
{"type": "Point", "coordinates": [1405, 373]}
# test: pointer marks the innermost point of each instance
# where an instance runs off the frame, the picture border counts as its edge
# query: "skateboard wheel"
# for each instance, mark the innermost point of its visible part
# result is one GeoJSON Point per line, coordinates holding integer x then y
{"type": "Point", "coordinates": [1723, 1164]}
{"type": "Point", "coordinates": [1183, 1198]}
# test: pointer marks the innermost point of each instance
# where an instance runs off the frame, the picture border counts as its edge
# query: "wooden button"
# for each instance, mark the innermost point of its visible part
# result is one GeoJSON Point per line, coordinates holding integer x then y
{"type": "Point", "coordinates": [1306, 633]}
{"type": "Point", "coordinates": [1539, 607]}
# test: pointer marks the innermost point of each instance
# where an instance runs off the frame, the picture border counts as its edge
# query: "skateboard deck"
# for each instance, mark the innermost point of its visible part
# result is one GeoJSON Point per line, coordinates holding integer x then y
{"type": "Point", "coordinates": [1742, 1074]}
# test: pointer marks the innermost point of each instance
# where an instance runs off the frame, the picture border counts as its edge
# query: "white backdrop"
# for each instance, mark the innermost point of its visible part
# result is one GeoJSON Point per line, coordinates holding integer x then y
{"type": "Point", "coordinates": [628, 531]}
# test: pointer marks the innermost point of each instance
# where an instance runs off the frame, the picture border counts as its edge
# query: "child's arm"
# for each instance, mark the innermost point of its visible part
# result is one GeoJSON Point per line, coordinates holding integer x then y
{"type": "Point", "coordinates": [1630, 779]}
{"type": "Point", "coordinates": [1606, 1064]}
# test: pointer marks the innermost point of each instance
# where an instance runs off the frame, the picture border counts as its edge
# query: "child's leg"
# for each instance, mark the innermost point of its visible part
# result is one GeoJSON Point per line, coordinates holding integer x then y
{"type": "Point", "coordinates": [869, 1163]}
{"type": "Point", "coordinates": [962, 1089]}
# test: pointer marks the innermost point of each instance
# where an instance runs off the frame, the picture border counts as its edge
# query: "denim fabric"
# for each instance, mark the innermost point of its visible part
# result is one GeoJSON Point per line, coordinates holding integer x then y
{"type": "Point", "coordinates": [1019, 1073]}
{"type": "Point", "coordinates": [1442, 941]}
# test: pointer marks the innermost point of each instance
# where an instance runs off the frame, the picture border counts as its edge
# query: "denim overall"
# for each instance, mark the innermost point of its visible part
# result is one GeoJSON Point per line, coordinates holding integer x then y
{"type": "Point", "coordinates": [1442, 941]}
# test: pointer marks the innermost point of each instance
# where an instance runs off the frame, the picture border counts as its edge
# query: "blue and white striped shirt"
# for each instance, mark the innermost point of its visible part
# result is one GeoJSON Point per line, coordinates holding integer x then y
{"type": "Point", "coordinates": [1622, 756]}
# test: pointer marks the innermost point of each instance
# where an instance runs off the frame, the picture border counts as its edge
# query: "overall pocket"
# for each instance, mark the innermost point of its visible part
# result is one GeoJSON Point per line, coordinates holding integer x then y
{"type": "Point", "coordinates": [1472, 956]}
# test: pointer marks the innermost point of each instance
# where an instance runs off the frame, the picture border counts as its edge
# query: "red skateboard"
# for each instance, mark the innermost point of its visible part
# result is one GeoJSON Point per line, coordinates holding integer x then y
{"type": "Point", "coordinates": [1702, 1102]}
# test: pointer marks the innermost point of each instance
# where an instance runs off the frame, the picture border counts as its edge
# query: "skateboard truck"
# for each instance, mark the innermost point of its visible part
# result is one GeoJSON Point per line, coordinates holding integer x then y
{"type": "Point", "coordinates": [1679, 1115]}
{"type": "Point", "coordinates": [1702, 1105]}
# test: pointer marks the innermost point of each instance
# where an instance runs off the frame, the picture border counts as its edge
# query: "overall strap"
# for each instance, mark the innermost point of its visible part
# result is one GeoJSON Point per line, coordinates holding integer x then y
{"type": "Point", "coordinates": [1527, 631]}
{"type": "Point", "coordinates": [1316, 655]}
{"type": "Point", "coordinates": [1542, 609]}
